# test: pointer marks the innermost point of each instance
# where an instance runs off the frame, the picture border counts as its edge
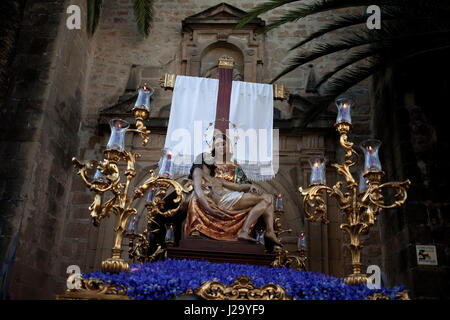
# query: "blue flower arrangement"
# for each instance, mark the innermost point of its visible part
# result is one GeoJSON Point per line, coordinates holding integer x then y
{"type": "Point", "coordinates": [163, 280]}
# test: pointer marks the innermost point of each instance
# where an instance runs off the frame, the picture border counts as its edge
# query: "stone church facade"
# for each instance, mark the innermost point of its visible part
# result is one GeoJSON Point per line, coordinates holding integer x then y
{"type": "Point", "coordinates": [64, 86]}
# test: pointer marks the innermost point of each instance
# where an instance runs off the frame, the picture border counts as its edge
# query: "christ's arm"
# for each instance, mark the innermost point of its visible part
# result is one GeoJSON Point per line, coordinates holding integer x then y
{"type": "Point", "coordinates": [236, 187]}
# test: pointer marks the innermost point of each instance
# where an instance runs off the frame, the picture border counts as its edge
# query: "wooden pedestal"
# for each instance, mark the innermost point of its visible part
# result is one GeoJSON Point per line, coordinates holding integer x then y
{"type": "Point", "coordinates": [221, 251]}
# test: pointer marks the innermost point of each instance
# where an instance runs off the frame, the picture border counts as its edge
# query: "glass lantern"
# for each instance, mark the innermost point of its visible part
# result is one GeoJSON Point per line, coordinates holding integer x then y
{"type": "Point", "coordinates": [99, 177]}
{"type": "Point", "coordinates": [301, 242]}
{"type": "Point", "coordinates": [260, 236]}
{"type": "Point", "coordinates": [317, 171]}
{"type": "Point", "coordinates": [117, 139]}
{"type": "Point", "coordinates": [169, 239]}
{"type": "Point", "coordinates": [344, 104]}
{"type": "Point", "coordinates": [363, 186]}
{"type": "Point", "coordinates": [279, 203]}
{"type": "Point", "coordinates": [143, 99]}
{"type": "Point", "coordinates": [371, 160]}
{"type": "Point", "coordinates": [132, 225]}
{"type": "Point", "coordinates": [150, 195]}
{"type": "Point", "coordinates": [149, 236]}
{"type": "Point", "coordinates": [166, 167]}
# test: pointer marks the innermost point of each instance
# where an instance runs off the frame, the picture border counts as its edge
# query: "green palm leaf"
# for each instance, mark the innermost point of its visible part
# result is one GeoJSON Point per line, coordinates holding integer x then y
{"type": "Point", "coordinates": [93, 15]}
{"type": "Point", "coordinates": [267, 6]}
{"type": "Point", "coordinates": [410, 29]}
{"type": "Point", "coordinates": [143, 10]}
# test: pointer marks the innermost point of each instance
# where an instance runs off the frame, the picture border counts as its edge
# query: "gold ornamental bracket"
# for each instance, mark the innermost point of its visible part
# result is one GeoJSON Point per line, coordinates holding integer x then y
{"type": "Point", "coordinates": [242, 289]}
{"type": "Point", "coordinates": [280, 92]}
{"type": "Point", "coordinates": [167, 81]}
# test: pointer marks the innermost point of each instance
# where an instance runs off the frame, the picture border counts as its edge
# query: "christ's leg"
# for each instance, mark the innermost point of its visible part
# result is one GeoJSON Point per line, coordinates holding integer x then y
{"type": "Point", "coordinates": [268, 220]}
{"type": "Point", "coordinates": [259, 205]}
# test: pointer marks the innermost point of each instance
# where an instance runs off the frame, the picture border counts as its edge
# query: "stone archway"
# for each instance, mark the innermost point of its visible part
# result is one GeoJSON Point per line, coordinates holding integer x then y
{"type": "Point", "coordinates": [210, 57]}
{"type": "Point", "coordinates": [210, 32]}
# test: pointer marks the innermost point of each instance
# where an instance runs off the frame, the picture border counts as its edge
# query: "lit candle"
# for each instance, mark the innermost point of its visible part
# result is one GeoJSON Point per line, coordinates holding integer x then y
{"type": "Point", "coordinates": [343, 105]}
{"type": "Point", "coordinates": [143, 100]}
{"type": "Point", "coordinates": [168, 166]}
{"type": "Point", "coordinates": [301, 243]}
{"type": "Point", "coordinates": [132, 225]}
{"type": "Point", "coordinates": [260, 236]}
{"type": "Point", "coordinates": [170, 235]}
{"type": "Point", "coordinates": [150, 195]}
{"type": "Point", "coordinates": [99, 177]}
{"type": "Point", "coordinates": [317, 171]}
{"type": "Point", "coordinates": [117, 138]}
{"type": "Point", "coordinates": [279, 203]}
{"type": "Point", "coordinates": [362, 183]}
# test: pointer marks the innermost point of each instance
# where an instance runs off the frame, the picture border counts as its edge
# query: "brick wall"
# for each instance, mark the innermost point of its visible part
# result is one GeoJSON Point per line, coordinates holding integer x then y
{"type": "Point", "coordinates": [41, 121]}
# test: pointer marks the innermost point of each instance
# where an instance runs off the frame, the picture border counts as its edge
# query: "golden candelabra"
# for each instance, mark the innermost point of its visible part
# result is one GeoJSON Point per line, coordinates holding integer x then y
{"type": "Point", "coordinates": [283, 258]}
{"type": "Point", "coordinates": [358, 203]}
{"type": "Point", "coordinates": [107, 179]}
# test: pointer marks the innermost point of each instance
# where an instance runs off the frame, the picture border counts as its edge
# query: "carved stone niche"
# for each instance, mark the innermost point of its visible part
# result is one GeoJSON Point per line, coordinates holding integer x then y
{"type": "Point", "coordinates": [210, 34]}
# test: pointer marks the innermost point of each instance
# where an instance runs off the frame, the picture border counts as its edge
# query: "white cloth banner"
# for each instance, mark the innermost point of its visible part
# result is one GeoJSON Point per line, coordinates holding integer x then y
{"type": "Point", "coordinates": [251, 110]}
{"type": "Point", "coordinates": [193, 110]}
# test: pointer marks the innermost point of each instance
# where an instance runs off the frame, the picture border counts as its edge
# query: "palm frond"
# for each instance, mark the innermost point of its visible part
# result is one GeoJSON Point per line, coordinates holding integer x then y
{"type": "Point", "coordinates": [323, 50]}
{"type": "Point", "coordinates": [356, 57]}
{"type": "Point", "coordinates": [389, 14]}
{"type": "Point", "coordinates": [340, 23]}
{"type": "Point", "coordinates": [350, 78]}
{"type": "Point", "coordinates": [320, 6]}
{"type": "Point", "coordinates": [410, 29]}
{"type": "Point", "coordinates": [143, 11]}
{"type": "Point", "coordinates": [93, 15]}
{"type": "Point", "coordinates": [260, 9]}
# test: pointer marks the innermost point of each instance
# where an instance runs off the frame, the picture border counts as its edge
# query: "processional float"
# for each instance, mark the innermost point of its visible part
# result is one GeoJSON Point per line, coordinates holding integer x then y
{"type": "Point", "coordinates": [359, 204]}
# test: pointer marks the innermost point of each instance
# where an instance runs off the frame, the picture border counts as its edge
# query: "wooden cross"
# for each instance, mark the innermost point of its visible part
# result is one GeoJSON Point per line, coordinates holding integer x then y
{"type": "Point", "coordinates": [225, 67]}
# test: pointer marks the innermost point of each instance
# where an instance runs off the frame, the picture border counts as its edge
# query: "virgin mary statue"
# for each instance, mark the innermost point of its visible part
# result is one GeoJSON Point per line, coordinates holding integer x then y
{"type": "Point", "coordinates": [224, 205]}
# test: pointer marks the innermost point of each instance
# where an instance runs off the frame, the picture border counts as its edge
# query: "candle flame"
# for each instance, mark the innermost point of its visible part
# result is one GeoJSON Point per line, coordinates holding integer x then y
{"type": "Point", "coordinates": [370, 148]}
{"type": "Point", "coordinates": [345, 105]}
{"type": "Point", "coordinates": [316, 164]}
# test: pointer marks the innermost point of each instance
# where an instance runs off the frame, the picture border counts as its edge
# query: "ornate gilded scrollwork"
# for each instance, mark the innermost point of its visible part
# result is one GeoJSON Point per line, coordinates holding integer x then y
{"type": "Point", "coordinates": [93, 289]}
{"type": "Point", "coordinates": [241, 289]}
{"type": "Point", "coordinates": [285, 259]}
{"type": "Point", "coordinates": [399, 296]}
{"type": "Point", "coordinates": [107, 179]}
